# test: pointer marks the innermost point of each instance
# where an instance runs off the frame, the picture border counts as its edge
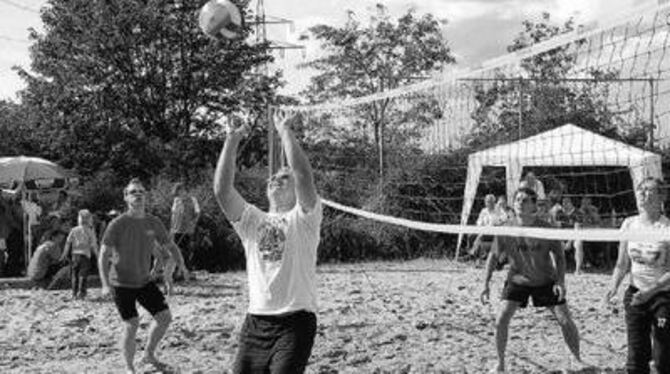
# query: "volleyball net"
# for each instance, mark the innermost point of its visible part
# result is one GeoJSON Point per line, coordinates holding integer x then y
{"type": "Point", "coordinates": [587, 113]}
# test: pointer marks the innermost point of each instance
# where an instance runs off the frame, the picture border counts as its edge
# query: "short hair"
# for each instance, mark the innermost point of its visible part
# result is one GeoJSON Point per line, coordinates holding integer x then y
{"type": "Point", "coordinates": [490, 197]}
{"type": "Point", "coordinates": [84, 213]}
{"type": "Point", "coordinates": [133, 181]}
{"type": "Point", "coordinates": [528, 191]}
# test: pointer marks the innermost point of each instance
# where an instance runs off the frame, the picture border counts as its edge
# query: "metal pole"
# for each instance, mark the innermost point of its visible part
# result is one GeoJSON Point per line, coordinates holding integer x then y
{"type": "Point", "coordinates": [381, 138]}
{"type": "Point", "coordinates": [520, 92]}
{"type": "Point", "coordinates": [652, 95]}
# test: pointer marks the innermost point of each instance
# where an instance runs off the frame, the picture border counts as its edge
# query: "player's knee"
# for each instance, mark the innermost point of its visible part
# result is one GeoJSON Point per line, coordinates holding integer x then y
{"type": "Point", "coordinates": [164, 317]}
{"type": "Point", "coordinates": [131, 325]}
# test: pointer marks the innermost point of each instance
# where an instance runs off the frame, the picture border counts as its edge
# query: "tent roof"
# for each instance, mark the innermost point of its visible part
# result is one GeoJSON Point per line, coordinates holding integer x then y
{"type": "Point", "coordinates": [568, 145]}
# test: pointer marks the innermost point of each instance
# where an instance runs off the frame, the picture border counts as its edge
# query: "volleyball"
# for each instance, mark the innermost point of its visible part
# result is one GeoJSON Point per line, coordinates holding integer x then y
{"type": "Point", "coordinates": [220, 18]}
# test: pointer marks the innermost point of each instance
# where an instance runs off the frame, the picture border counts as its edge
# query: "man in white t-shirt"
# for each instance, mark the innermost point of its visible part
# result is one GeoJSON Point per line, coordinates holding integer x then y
{"type": "Point", "coordinates": [280, 248]}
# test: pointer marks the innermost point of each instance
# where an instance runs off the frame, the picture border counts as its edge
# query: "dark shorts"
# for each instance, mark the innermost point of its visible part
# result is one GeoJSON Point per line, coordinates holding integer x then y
{"type": "Point", "coordinates": [275, 344]}
{"type": "Point", "coordinates": [542, 296]}
{"type": "Point", "coordinates": [149, 296]}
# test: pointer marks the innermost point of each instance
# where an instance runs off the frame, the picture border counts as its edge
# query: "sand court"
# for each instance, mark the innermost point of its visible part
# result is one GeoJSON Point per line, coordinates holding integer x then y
{"type": "Point", "coordinates": [422, 316]}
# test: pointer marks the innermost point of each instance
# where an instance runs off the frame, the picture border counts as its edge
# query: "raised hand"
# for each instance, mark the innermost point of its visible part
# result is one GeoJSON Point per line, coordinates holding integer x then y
{"type": "Point", "coordinates": [280, 120]}
{"type": "Point", "coordinates": [237, 127]}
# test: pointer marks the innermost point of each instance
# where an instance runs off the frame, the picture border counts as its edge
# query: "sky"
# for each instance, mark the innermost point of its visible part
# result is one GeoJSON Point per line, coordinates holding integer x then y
{"type": "Point", "coordinates": [476, 30]}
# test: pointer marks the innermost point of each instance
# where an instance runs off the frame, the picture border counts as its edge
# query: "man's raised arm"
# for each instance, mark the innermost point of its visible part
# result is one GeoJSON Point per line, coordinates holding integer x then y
{"type": "Point", "coordinates": [230, 201]}
{"type": "Point", "coordinates": [299, 163]}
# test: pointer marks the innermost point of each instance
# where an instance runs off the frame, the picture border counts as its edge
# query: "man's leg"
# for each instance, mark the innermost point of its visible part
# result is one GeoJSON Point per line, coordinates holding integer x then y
{"type": "Point", "coordinates": [661, 337]}
{"type": "Point", "coordinates": [638, 330]}
{"type": "Point", "coordinates": [151, 298]}
{"type": "Point", "coordinates": [294, 346]}
{"type": "Point", "coordinates": [502, 327]}
{"type": "Point", "coordinates": [568, 328]}
{"type": "Point", "coordinates": [128, 342]}
{"type": "Point", "coordinates": [157, 330]}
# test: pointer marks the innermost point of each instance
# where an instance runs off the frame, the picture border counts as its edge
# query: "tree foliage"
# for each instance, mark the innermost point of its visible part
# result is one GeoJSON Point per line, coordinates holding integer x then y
{"type": "Point", "coordinates": [364, 58]}
{"type": "Point", "coordinates": [135, 87]}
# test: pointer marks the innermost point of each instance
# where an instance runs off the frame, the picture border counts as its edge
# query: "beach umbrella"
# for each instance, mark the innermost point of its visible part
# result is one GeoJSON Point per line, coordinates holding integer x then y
{"type": "Point", "coordinates": [23, 169]}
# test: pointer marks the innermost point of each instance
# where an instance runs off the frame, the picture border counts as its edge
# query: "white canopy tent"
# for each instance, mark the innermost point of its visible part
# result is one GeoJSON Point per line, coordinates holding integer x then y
{"type": "Point", "coordinates": [567, 145]}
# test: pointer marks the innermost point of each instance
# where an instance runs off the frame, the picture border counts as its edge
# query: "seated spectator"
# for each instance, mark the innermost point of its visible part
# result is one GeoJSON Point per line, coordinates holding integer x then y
{"type": "Point", "coordinates": [556, 213]}
{"type": "Point", "coordinates": [543, 211]}
{"type": "Point", "coordinates": [44, 263]}
{"type": "Point", "coordinates": [503, 210]}
{"type": "Point", "coordinates": [62, 206]}
{"type": "Point", "coordinates": [589, 213]}
{"type": "Point", "coordinates": [534, 184]}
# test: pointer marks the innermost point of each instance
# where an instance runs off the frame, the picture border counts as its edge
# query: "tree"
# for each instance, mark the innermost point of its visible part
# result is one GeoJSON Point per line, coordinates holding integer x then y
{"type": "Point", "coordinates": [134, 86]}
{"type": "Point", "coordinates": [364, 59]}
{"type": "Point", "coordinates": [15, 139]}
{"type": "Point", "coordinates": [541, 99]}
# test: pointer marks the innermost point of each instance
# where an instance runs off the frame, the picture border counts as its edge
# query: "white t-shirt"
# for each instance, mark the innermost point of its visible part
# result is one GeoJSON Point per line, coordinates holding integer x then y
{"type": "Point", "coordinates": [281, 258]}
{"type": "Point", "coordinates": [649, 261]}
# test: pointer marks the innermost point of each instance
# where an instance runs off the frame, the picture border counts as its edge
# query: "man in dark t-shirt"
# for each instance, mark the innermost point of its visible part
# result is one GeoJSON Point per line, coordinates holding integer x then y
{"type": "Point", "coordinates": [125, 272]}
{"type": "Point", "coordinates": [536, 271]}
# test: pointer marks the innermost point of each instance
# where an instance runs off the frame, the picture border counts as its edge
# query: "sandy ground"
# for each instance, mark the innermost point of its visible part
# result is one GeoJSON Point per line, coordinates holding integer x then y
{"type": "Point", "coordinates": [412, 317]}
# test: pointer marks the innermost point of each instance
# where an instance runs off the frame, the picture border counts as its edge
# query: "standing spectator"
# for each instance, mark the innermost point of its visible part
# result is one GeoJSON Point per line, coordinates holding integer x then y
{"type": "Point", "coordinates": [488, 216]}
{"type": "Point", "coordinates": [33, 211]}
{"type": "Point", "coordinates": [531, 181]}
{"type": "Point", "coordinates": [647, 299]}
{"type": "Point", "coordinates": [82, 243]}
{"type": "Point", "coordinates": [586, 216]}
{"type": "Point", "coordinates": [44, 263]}
{"type": "Point", "coordinates": [185, 215]}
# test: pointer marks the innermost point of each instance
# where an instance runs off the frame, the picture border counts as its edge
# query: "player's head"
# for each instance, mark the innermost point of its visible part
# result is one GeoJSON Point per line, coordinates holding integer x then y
{"type": "Point", "coordinates": [281, 188]}
{"type": "Point", "coordinates": [525, 201]}
{"type": "Point", "coordinates": [135, 194]}
{"type": "Point", "coordinates": [650, 193]}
